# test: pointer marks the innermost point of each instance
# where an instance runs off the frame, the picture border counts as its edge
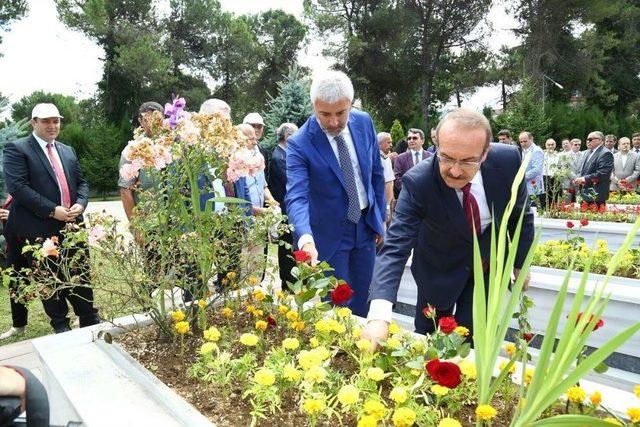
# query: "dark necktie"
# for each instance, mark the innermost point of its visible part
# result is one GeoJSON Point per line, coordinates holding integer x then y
{"type": "Point", "coordinates": [62, 179]}
{"type": "Point", "coordinates": [471, 210]}
{"type": "Point", "coordinates": [353, 211]}
{"type": "Point", "coordinates": [586, 160]}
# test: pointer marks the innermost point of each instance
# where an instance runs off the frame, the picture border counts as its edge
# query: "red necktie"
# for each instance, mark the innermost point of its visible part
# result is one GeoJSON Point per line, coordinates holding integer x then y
{"type": "Point", "coordinates": [62, 179]}
{"type": "Point", "coordinates": [471, 211]}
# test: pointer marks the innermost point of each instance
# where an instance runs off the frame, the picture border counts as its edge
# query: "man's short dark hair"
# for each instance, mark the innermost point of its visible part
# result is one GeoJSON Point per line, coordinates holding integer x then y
{"type": "Point", "coordinates": [611, 136]}
{"type": "Point", "coordinates": [505, 132]}
{"type": "Point", "coordinates": [149, 106]}
{"type": "Point", "coordinates": [635, 135]}
{"type": "Point", "coordinates": [418, 131]}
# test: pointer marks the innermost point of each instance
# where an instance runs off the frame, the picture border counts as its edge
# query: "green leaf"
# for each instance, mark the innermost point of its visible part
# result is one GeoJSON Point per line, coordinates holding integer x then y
{"type": "Point", "coordinates": [415, 364]}
{"type": "Point", "coordinates": [432, 353]}
{"type": "Point", "coordinates": [601, 368]}
{"type": "Point", "coordinates": [464, 350]}
{"type": "Point", "coordinates": [570, 421]}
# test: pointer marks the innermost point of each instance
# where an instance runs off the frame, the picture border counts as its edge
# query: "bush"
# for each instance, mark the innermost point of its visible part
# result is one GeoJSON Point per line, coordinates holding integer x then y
{"type": "Point", "coordinates": [101, 156]}
{"type": "Point", "coordinates": [66, 105]}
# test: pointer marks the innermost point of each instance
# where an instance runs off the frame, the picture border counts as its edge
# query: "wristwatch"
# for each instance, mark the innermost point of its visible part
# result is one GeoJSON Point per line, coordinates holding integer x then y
{"type": "Point", "coordinates": [53, 213]}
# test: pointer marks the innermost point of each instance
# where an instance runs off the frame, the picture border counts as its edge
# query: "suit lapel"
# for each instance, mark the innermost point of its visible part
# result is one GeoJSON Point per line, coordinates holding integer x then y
{"type": "Point", "coordinates": [321, 143]}
{"type": "Point", "coordinates": [452, 204]}
{"type": "Point", "coordinates": [43, 157]}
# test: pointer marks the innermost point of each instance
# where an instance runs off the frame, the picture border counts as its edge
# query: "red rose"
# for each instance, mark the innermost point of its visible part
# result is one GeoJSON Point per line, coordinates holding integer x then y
{"type": "Point", "coordinates": [301, 256]}
{"type": "Point", "coordinates": [341, 294]}
{"type": "Point", "coordinates": [533, 182]}
{"type": "Point", "coordinates": [446, 374]}
{"type": "Point", "coordinates": [594, 181]}
{"type": "Point", "coordinates": [602, 208]}
{"type": "Point", "coordinates": [447, 324]}
{"type": "Point", "coordinates": [599, 324]}
{"type": "Point", "coordinates": [429, 311]}
{"type": "Point", "coordinates": [271, 321]}
{"type": "Point", "coordinates": [569, 224]}
{"type": "Point", "coordinates": [528, 336]}
{"type": "Point", "coordinates": [584, 221]}
{"type": "Point", "coordinates": [583, 206]}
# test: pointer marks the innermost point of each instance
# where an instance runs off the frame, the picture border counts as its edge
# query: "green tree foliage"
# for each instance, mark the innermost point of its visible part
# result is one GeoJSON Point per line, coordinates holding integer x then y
{"type": "Point", "coordinates": [11, 10]}
{"type": "Point", "coordinates": [101, 156]}
{"type": "Point", "coordinates": [292, 104]}
{"type": "Point", "coordinates": [66, 105]}
{"type": "Point", "coordinates": [525, 114]}
{"type": "Point", "coordinates": [397, 132]}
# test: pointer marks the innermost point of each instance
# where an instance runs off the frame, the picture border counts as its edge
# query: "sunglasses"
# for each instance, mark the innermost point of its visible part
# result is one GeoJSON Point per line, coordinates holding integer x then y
{"type": "Point", "coordinates": [413, 138]}
{"type": "Point", "coordinates": [591, 139]}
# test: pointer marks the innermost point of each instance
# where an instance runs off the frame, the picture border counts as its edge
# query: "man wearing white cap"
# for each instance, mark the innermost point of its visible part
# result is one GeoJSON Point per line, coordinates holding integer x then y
{"type": "Point", "coordinates": [49, 190]}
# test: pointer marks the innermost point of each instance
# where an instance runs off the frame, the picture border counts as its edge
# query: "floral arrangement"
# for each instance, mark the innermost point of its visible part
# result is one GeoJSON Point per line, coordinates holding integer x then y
{"type": "Point", "coordinates": [624, 198]}
{"type": "Point", "coordinates": [592, 212]}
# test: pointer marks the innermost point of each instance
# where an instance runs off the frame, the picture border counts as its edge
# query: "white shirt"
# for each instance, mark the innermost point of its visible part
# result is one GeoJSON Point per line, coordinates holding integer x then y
{"type": "Point", "coordinates": [413, 156]}
{"type": "Point", "coordinates": [389, 176]}
{"type": "Point", "coordinates": [43, 145]}
{"type": "Point", "coordinates": [381, 309]}
{"type": "Point", "coordinates": [623, 158]}
{"type": "Point", "coordinates": [362, 194]}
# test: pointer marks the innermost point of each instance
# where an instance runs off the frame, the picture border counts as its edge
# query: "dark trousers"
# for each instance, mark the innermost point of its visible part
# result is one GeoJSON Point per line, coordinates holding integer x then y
{"type": "Point", "coordinates": [19, 312]}
{"type": "Point", "coordinates": [286, 261]}
{"type": "Point", "coordinates": [80, 297]}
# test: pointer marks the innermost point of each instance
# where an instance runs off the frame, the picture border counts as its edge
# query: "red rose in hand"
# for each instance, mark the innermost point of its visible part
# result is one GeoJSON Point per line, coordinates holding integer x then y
{"type": "Point", "coordinates": [301, 256]}
{"type": "Point", "coordinates": [447, 324]}
{"type": "Point", "coordinates": [533, 182]}
{"type": "Point", "coordinates": [594, 181]}
{"type": "Point", "coordinates": [446, 374]}
{"type": "Point", "coordinates": [429, 311]}
{"type": "Point", "coordinates": [569, 224]}
{"type": "Point", "coordinates": [584, 221]}
{"type": "Point", "coordinates": [528, 336]}
{"type": "Point", "coordinates": [599, 324]}
{"type": "Point", "coordinates": [341, 294]}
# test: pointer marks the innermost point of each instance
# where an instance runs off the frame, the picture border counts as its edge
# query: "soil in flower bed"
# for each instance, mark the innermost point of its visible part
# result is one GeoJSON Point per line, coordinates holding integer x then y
{"type": "Point", "coordinates": [226, 407]}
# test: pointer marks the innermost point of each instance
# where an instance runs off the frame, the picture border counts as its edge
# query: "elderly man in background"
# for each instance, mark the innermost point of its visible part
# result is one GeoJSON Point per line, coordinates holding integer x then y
{"type": "Point", "coordinates": [551, 169]}
{"type": "Point", "coordinates": [595, 172]}
{"type": "Point", "coordinates": [626, 167]}
{"type": "Point", "coordinates": [385, 142]}
{"type": "Point", "coordinates": [533, 175]}
{"type": "Point", "coordinates": [256, 121]}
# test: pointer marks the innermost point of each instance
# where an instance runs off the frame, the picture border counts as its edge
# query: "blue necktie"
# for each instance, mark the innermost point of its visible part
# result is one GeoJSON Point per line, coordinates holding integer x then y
{"type": "Point", "coordinates": [417, 158]}
{"type": "Point", "coordinates": [353, 211]}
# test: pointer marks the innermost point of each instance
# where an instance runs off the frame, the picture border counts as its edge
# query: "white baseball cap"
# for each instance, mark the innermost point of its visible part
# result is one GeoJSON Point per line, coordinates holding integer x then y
{"type": "Point", "coordinates": [44, 111]}
{"type": "Point", "coordinates": [253, 119]}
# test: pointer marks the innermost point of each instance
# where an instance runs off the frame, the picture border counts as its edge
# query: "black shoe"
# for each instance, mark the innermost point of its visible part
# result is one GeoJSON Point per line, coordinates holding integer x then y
{"type": "Point", "coordinates": [62, 329]}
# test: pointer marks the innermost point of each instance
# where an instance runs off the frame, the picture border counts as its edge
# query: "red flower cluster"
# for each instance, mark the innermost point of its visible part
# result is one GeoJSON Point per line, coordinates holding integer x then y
{"type": "Point", "coordinates": [341, 294]}
{"type": "Point", "coordinates": [301, 256]}
{"type": "Point", "coordinates": [599, 324]}
{"type": "Point", "coordinates": [446, 374]}
{"type": "Point", "coordinates": [271, 321]}
{"type": "Point", "coordinates": [528, 336]}
{"type": "Point", "coordinates": [584, 221]}
{"type": "Point", "coordinates": [447, 324]}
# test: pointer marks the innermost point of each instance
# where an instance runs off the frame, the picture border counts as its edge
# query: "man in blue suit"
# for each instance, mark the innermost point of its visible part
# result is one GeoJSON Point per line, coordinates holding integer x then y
{"type": "Point", "coordinates": [335, 186]}
{"type": "Point", "coordinates": [534, 174]}
{"type": "Point", "coordinates": [444, 200]}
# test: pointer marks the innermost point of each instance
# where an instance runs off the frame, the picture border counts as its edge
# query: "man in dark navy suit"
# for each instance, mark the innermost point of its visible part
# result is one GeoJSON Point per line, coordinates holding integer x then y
{"type": "Point", "coordinates": [44, 178]}
{"type": "Point", "coordinates": [444, 200]}
{"type": "Point", "coordinates": [335, 186]}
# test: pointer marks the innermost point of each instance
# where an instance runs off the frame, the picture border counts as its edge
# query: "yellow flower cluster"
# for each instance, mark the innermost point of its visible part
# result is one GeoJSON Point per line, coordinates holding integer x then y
{"type": "Point", "coordinates": [439, 390]}
{"type": "Point", "coordinates": [283, 309]}
{"type": "Point", "coordinates": [207, 348]}
{"type": "Point", "coordinates": [449, 422]}
{"type": "Point", "coordinates": [258, 295]}
{"type": "Point", "coordinates": [313, 406]}
{"type": "Point", "coordinates": [367, 421]}
{"type": "Point", "coordinates": [264, 377]}
{"type": "Point", "coordinates": [576, 394]}
{"type": "Point", "coordinates": [510, 348]}
{"type": "Point", "coordinates": [328, 325]}
{"type": "Point", "coordinates": [212, 334]}
{"type": "Point", "coordinates": [343, 312]}
{"type": "Point", "coordinates": [393, 343]}
{"type": "Point", "coordinates": [315, 374]}
{"type": "Point", "coordinates": [250, 340]}
{"type": "Point", "coordinates": [182, 327]}
{"type": "Point", "coordinates": [403, 417]}
{"type": "Point", "coordinates": [291, 373]}
{"type": "Point", "coordinates": [363, 344]}
{"type": "Point", "coordinates": [528, 375]}
{"type": "Point", "coordinates": [399, 394]}
{"type": "Point", "coordinates": [375, 408]}
{"type": "Point", "coordinates": [486, 412]}
{"type": "Point", "coordinates": [290, 343]}
{"type": "Point", "coordinates": [227, 312]}
{"type": "Point", "coordinates": [348, 395]}
{"type": "Point", "coordinates": [636, 390]}
{"type": "Point", "coordinates": [634, 414]}
{"type": "Point", "coordinates": [462, 331]}
{"type": "Point", "coordinates": [504, 364]}
{"type": "Point", "coordinates": [312, 358]}
{"type": "Point", "coordinates": [595, 398]}
{"type": "Point", "coordinates": [292, 315]}
{"type": "Point", "coordinates": [261, 325]}
{"type": "Point", "coordinates": [178, 316]}
{"type": "Point", "coordinates": [468, 369]}
{"type": "Point", "coordinates": [375, 374]}
{"type": "Point", "coordinates": [394, 328]}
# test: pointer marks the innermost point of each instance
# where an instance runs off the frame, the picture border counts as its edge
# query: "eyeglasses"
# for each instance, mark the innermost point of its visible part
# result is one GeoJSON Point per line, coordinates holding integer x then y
{"type": "Point", "coordinates": [413, 138]}
{"type": "Point", "coordinates": [591, 139]}
{"type": "Point", "coordinates": [464, 164]}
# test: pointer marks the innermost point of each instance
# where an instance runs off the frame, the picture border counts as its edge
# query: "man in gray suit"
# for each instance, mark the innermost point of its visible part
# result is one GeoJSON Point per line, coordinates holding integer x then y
{"type": "Point", "coordinates": [626, 167]}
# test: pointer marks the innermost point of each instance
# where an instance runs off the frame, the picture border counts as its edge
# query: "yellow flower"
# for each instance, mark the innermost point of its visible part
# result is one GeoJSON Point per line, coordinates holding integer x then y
{"type": "Point", "coordinates": [394, 328]}
{"type": "Point", "coordinates": [364, 344]}
{"type": "Point", "coordinates": [258, 313]}
{"type": "Point", "coordinates": [258, 295]}
{"type": "Point", "coordinates": [343, 312]}
{"type": "Point", "coordinates": [504, 364]}
{"type": "Point", "coordinates": [595, 398]}
{"type": "Point", "coordinates": [510, 348]}
{"type": "Point", "coordinates": [292, 315]}
{"type": "Point", "coordinates": [439, 390]}
{"type": "Point", "coordinates": [309, 359]}
{"type": "Point", "coordinates": [398, 394]}
{"type": "Point", "coordinates": [264, 377]}
{"type": "Point", "coordinates": [322, 352]}
{"type": "Point", "coordinates": [636, 390]}
{"type": "Point", "coordinates": [290, 343]}
{"type": "Point", "coordinates": [356, 333]}
{"type": "Point", "coordinates": [227, 312]}
{"type": "Point", "coordinates": [207, 348]}
{"type": "Point", "coordinates": [367, 421]}
{"type": "Point", "coordinates": [313, 341]}
{"type": "Point", "coordinates": [182, 328]}
{"type": "Point", "coordinates": [313, 406]}
{"type": "Point", "coordinates": [340, 328]}
{"type": "Point", "coordinates": [376, 374]}
{"type": "Point", "coordinates": [212, 334]}
{"type": "Point", "coordinates": [252, 280]}
{"type": "Point", "coordinates": [462, 331]}
{"type": "Point", "coordinates": [403, 417]}
{"type": "Point", "coordinates": [348, 395]}
{"type": "Point", "coordinates": [202, 303]}
{"type": "Point", "coordinates": [177, 316]}
{"type": "Point", "coordinates": [418, 345]}
{"type": "Point", "coordinates": [298, 326]}
{"type": "Point", "coordinates": [262, 325]}
{"type": "Point", "coordinates": [249, 340]}
{"type": "Point", "coordinates": [283, 309]}
{"type": "Point", "coordinates": [449, 422]}
{"type": "Point", "coordinates": [468, 369]}
{"type": "Point", "coordinates": [323, 326]}
{"type": "Point", "coordinates": [613, 421]}
{"type": "Point", "coordinates": [634, 414]}
{"type": "Point", "coordinates": [486, 412]}
{"type": "Point", "coordinates": [280, 295]}
{"type": "Point", "coordinates": [251, 308]}
{"type": "Point", "coordinates": [576, 394]}
{"type": "Point", "coordinates": [291, 373]}
{"type": "Point", "coordinates": [393, 343]}
{"type": "Point", "coordinates": [528, 376]}
{"type": "Point", "coordinates": [375, 408]}
{"type": "Point", "coordinates": [231, 275]}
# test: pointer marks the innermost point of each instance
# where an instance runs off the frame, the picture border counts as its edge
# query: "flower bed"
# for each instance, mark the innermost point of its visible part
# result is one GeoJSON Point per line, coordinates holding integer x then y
{"type": "Point", "coordinates": [626, 198]}
{"type": "Point", "coordinates": [593, 213]}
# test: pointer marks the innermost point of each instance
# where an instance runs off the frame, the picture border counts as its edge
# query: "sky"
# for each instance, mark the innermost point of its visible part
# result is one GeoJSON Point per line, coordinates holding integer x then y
{"type": "Point", "coordinates": [40, 53]}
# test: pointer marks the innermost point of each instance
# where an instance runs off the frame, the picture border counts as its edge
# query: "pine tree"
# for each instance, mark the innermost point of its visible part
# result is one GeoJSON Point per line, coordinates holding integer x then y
{"type": "Point", "coordinates": [292, 104]}
{"type": "Point", "coordinates": [9, 131]}
{"type": "Point", "coordinates": [525, 114]}
{"type": "Point", "coordinates": [397, 132]}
